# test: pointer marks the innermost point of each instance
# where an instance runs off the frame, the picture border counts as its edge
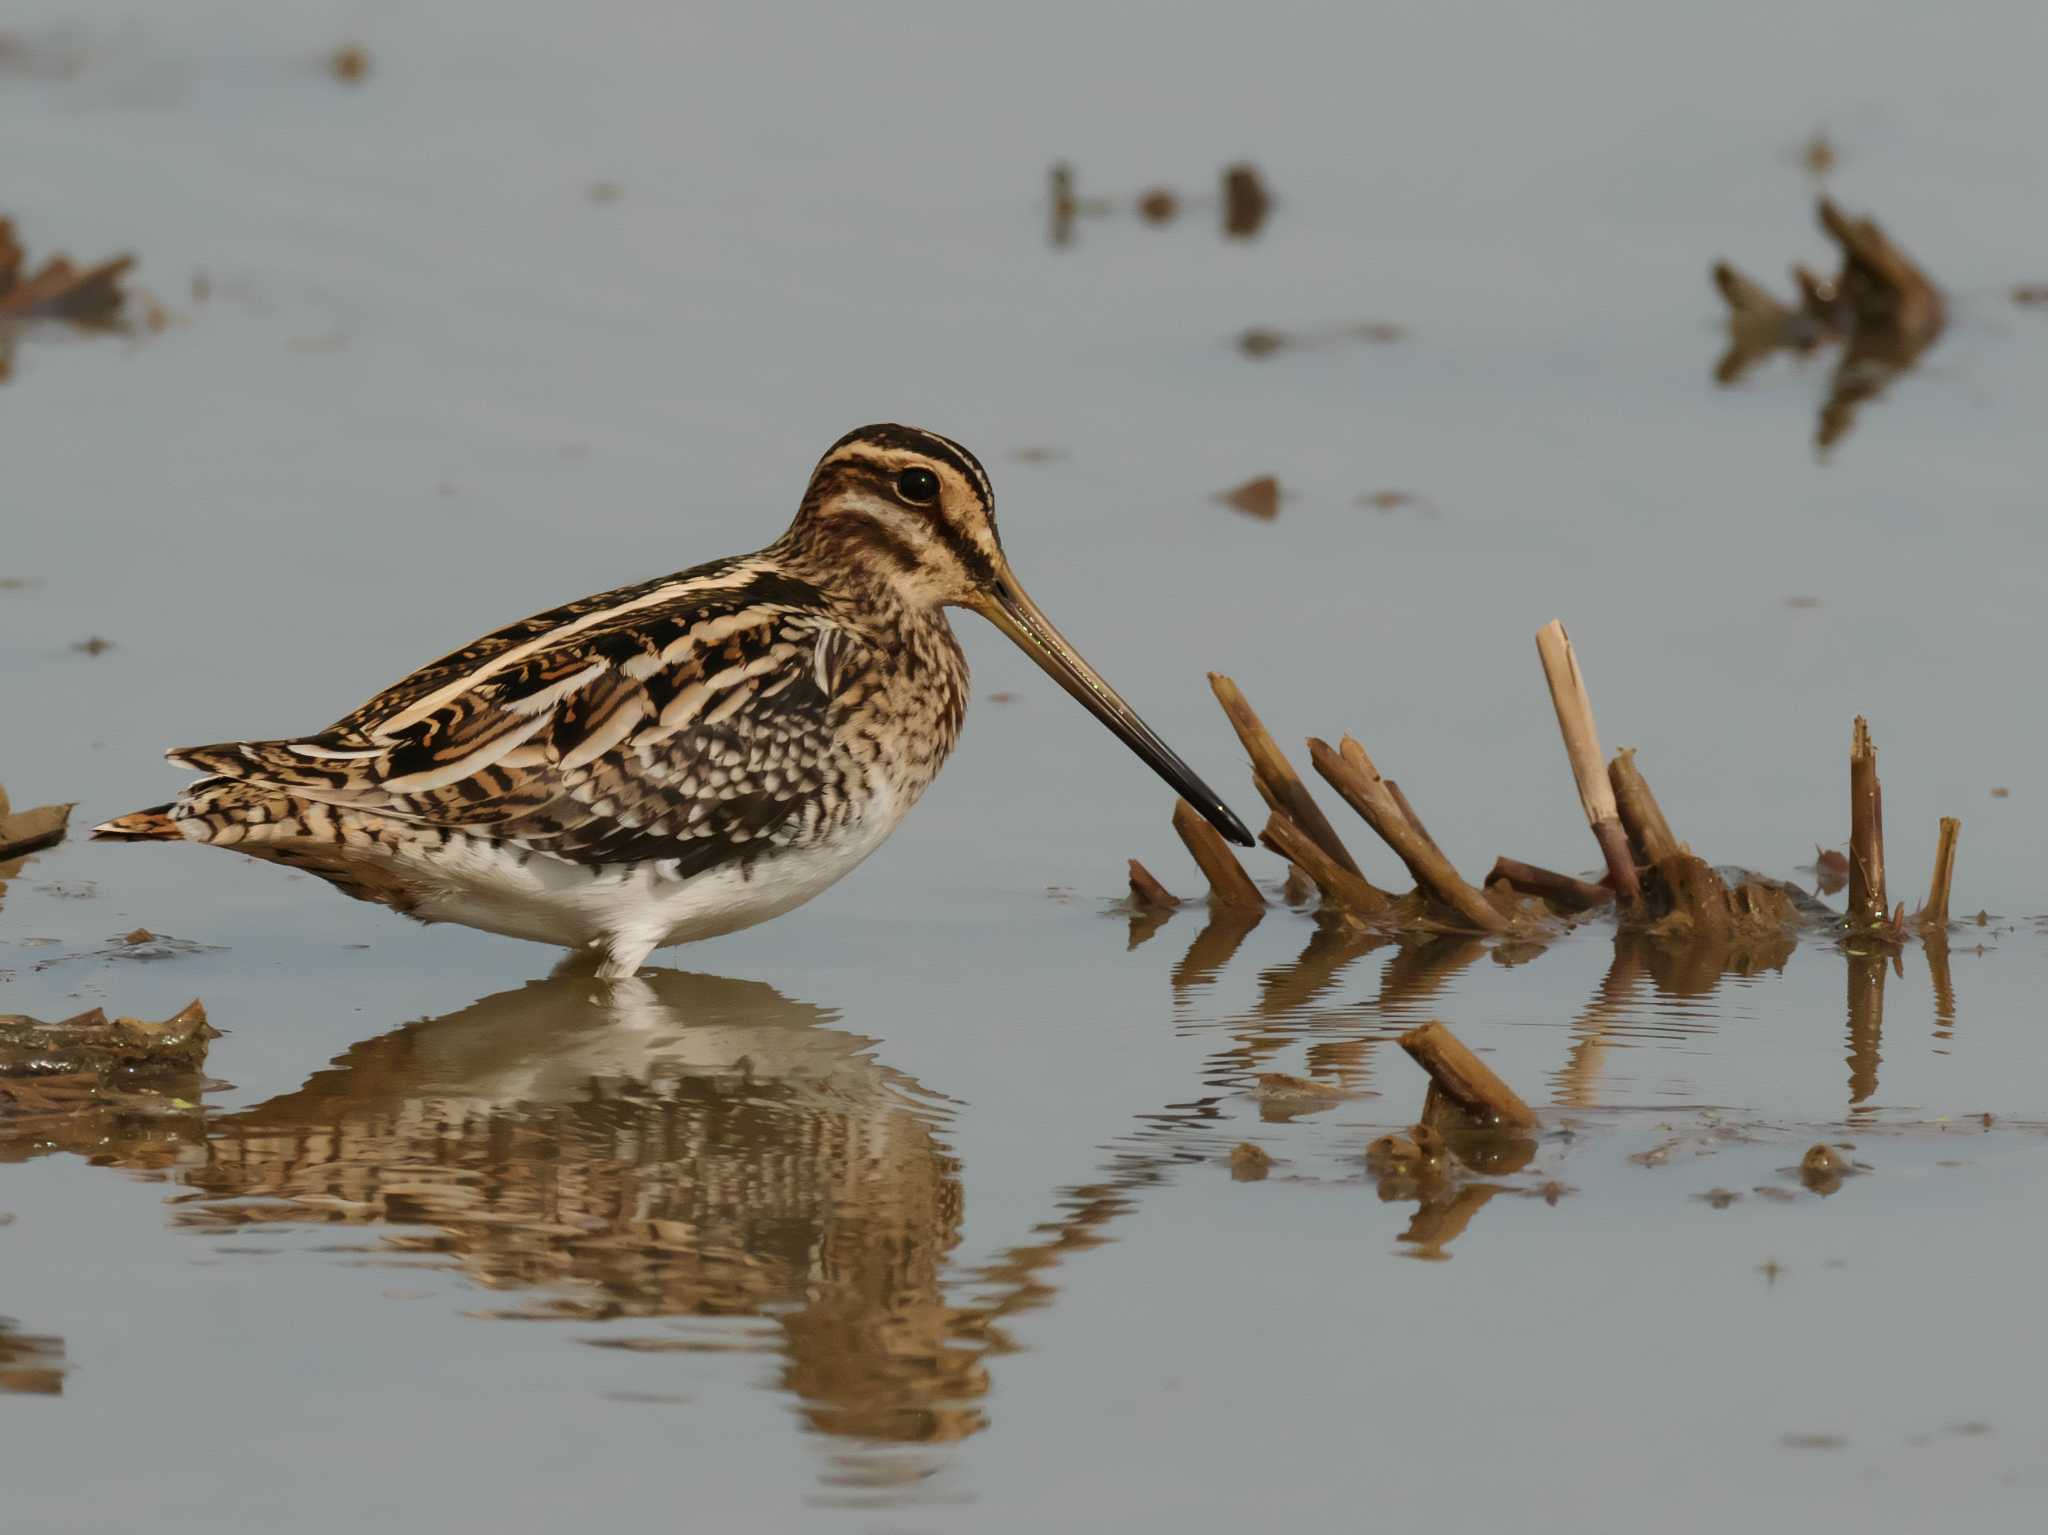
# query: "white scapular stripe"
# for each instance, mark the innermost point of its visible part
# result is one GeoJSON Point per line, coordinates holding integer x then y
{"type": "Point", "coordinates": [607, 735]}
{"type": "Point", "coordinates": [333, 754]}
{"type": "Point", "coordinates": [413, 713]}
{"type": "Point", "coordinates": [554, 693]}
{"type": "Point", "coordinates": [462, 767]}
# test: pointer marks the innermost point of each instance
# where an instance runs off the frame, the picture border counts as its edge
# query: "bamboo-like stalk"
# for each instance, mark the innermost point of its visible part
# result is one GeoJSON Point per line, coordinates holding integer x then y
{"type": "Point", "coordinates": [1275, 775]}
{"type": "Point", "coordinates": [1465, 1079]}
{"type": "Point", "coordinates": [1649, 834]}
{"type": "Point", "coordinates": [1559, 889]}
{"type": "Point", "coordinates": [1867, 904]}
{"type": "Point", "coordinates": [1353, 776]}
{"type": "Point", "coordinates": [1935, 912]}
{"type": "Point", "coordinates": [1147, 891]}
{"type": "Point", "coordinates": [1347, 892]}
{"type": "Point", "coordinates": [1229, 885]}
{"type": "Point", "coordinates": [1582, 746]}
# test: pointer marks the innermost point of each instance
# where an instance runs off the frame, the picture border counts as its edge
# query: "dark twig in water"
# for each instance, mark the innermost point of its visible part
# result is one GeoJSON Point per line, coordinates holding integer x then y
{"type": "Point", "coordinates": [1563, 891]}
{"type": "Point", "coordinates": [1582, 746]}
{"type": "Point", "coordinates": [1868, 906]}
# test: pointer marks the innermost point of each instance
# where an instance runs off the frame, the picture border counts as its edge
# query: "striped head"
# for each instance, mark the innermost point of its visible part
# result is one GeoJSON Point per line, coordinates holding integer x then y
{"type": "Point", "coordinates": [909, 508]}
{"type": "Point", "coordinates": [913, 512]}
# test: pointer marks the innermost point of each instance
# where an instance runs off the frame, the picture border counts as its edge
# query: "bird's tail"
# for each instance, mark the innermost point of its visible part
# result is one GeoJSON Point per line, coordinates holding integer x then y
{"type": "Point", "coordinates": [153, 825]}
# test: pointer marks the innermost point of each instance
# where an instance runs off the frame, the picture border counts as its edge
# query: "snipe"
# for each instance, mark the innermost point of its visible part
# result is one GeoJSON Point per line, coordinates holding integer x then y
{"type": "Point", "coordinates": [673, 760]}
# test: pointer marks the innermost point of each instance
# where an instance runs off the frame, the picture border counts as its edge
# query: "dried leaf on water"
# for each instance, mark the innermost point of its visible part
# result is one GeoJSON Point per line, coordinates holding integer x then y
{"type": "Point", "coordinates": [1246, 202]}
{"type": "Point", "coordinates": [28, 831]}
{"type": "Point", "coordinates": [1259, 497]}
{"type": "Point", "coordinates": [350, 63]}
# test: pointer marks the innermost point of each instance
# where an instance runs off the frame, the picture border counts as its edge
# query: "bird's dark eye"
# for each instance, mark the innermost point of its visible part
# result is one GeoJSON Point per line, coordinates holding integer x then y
{"type": "Point", "coordinates": [920, 487]}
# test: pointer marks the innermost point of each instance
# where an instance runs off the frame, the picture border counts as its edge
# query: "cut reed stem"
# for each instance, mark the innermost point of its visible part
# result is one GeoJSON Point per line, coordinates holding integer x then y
{"type": "Point", "coordinates": [1463, 1078]}
{"type": "Point", "coordinates": [1935, 912]}
{"type": "Point", "coordinates": [1147, 891]}
{"type": "Point", "coordinates": [1229, 885]}
{"type": "Point", "coordinates": [1276, 775]}
{"type": "Point", "coordinates": [1348, 892]}
{"type": "Point", "coordinates": [1867, 904]}
{"type": "Point", "coordinates": [1649, 834]}
{"type": "Point", "coordinates": [1582, 746]}
{"type": "Point", "coordinates": [1414, 820]}
{"type": "Point", "coordinates": [1352, 775]}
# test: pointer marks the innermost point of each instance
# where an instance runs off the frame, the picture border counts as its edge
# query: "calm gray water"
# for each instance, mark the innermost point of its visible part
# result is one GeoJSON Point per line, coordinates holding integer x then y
{"type": "Point", "coordinates": [912, 1211]}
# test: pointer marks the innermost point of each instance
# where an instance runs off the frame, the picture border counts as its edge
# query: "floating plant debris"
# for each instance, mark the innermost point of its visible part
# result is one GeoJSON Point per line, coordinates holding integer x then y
{"type": "Point", "coordinates": [90, 297]}
{"type": "Point", "coordinates": [1242, 203]}
{"type": "Point", "coordinates": [1654, 884]}
{"type": "Point", "coordinates": [1879, 305]}
{"type": "Point", "coordinates": [1262, 341]}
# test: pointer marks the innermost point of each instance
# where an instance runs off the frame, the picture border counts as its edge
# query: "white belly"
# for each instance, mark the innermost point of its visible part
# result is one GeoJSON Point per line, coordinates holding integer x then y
{"type": "Point", "coordinates": [629, 912]}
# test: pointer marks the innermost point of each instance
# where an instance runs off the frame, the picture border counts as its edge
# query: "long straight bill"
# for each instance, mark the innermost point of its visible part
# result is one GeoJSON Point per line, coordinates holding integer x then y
{"type": "Point", "coordinates": [1010, 610]}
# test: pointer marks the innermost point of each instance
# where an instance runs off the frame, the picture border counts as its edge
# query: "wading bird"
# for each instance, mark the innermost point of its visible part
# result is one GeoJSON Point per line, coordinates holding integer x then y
{"type": "Point", "coordinates": [673, 760]}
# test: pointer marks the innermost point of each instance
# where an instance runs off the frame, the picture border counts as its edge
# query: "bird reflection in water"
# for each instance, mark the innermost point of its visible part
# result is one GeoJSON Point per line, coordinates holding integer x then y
{"type": "Point", "coordinates": [678, 1146]}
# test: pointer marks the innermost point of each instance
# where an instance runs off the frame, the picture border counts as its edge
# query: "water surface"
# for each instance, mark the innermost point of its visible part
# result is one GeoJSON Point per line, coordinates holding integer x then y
{"type": "Point", "coordinates": [913, 1210]}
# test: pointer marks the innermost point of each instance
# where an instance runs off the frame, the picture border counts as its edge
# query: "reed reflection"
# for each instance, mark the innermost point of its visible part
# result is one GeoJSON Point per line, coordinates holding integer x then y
{"type": "Point", "coordinates": [1680, 973]}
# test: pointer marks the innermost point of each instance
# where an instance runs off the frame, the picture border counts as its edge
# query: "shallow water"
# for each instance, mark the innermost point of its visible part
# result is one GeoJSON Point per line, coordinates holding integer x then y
{"type": "Point", "coordinates": [913, 1210]}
